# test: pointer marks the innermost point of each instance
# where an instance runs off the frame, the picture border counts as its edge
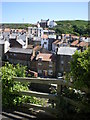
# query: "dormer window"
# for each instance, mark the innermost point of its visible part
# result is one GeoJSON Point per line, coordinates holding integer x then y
{"type": "Point", "coordinates": [40, 59]}
{"type": "Point", "coordinates": [45, 43]}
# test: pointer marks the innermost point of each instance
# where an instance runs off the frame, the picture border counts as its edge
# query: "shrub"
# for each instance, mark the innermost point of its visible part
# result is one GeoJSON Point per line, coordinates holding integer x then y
{"type": "Point", "coordinates": [10, 88]}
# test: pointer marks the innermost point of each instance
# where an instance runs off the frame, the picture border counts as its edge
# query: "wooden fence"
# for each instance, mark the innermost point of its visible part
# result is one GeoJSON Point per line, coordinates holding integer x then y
{"type": "Point", "coordinates": [55, 97]}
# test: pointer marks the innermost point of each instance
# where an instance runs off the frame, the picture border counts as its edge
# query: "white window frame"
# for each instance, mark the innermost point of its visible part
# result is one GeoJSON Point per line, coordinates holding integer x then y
{"type": "Point", "coordinates": [62, 62]}
{"type": "Point", "coordinates": [0, 58]}
{"type": "Point", "coordinates": [39, 63]}
{"type": "Point", "coordinates": [15, 54]}
{"type": "Point", "coordinates": [50, 72]}
{"type": "Point", "coordinates": [39, 71]}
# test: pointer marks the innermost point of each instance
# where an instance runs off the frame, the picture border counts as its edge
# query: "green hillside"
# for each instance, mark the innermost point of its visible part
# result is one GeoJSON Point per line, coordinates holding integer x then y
{"type": "Point", "coordinates": [16, 25]}
{"type": "Point", "coordinates": [76, 27]}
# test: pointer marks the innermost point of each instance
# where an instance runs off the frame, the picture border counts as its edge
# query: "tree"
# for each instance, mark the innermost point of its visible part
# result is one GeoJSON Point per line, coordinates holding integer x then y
{"type": "Point", "coordinates": [7, 73]}
{"type": "Point", "coordinates": [80, 74]}
{"type": "Point", "coordinates": [80, 68]}
{"type": "Point", "coordinates": [10, 88]}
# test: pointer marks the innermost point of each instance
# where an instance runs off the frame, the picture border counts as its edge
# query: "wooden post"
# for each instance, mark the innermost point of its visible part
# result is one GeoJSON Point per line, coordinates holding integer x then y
{"type": "Point", "coordinates": [58, 95]}
{"type": "Point", "coordinates": [59, 91]}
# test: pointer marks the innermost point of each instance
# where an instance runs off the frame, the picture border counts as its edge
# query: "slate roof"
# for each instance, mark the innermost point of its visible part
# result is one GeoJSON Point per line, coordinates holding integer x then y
{"type": "Point", "coordinates": [66, 50]}
{"type": "Point", "coordinates": [87, 40]}
{"type": "Point", "coordinates": [2, 42]}
{"type": "Point", "coordinates": [20, 50]}
{"type": "Point", "coordinates": [21, 42]}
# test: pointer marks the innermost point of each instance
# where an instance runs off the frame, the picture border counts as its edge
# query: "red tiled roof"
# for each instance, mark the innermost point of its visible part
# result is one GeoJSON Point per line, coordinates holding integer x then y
{"type": "Point", "coordinates": [7, 30]}
{"type": "Point", "coordinates": [44, 56]}
{"type": "Point", "coordinates": [29, 46]}
{"type": "Point", "coordinates": [73, 36]}
{"type": "Point", "coordinates": [75, 43]}
{"type": "Point", "coordinates": [46, 29]}
{"type": "Point", "coordinates": [32, 57]}
{"type": "Point", "coordinates": [0, 30]}
{"type": "Point", "coordinates": [82, 44]}
{"type": "Point", "coordinates": [65, 34]}
{"type": "Point", "coordinates": [37, 48]}
{"type": "Point", "coordinates": [60, 42]}
{"type": "Point", "coordinates": [44, 36]}
{"type": "Point", "coordinates": [55, 42]}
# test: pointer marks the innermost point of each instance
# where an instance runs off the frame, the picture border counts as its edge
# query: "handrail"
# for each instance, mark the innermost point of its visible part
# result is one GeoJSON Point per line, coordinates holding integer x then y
{"type": "Point", "coordinates": [47, 81]}
{"type": "Point", "coordinates": [42, 81]}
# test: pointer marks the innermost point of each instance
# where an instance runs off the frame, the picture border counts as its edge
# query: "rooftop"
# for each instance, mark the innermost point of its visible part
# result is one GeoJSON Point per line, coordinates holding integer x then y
{"type": "Point", "coordinates": [44, 36]}
{"type": "Point", "coordinates": [82, 44]}
{"type": "Point", "coordinates": [37, 48]}
{"type": "Point", "coordinates": [55, 42]}
{"type": "Point", "coordinates": [44, 57]}
{"type": "Point", "coordinates": [75, 43]}
{"type": "Point", "coordinates": [52, 36]}
{"type": "Point", "coordinates": [46, 30]}
{"type": "Point", "coordinates": [73, 36]}
{"type": "Point", "coordinates": [29, 46]}
{"type": "Point", "coordinates": [21, 42]}
{"type": "Point", "coordinates": [87, 40]}
{"type": "Point", "coordinates": [20, 50]}
{"type": "Point", "coordinates": [2, 41]}
{"type": "Point", "coordinates": [7, 30]}
{"type": "Point", "coordinates": [66, 50]}
{"type": "Point", "coordinates": [65, 34]}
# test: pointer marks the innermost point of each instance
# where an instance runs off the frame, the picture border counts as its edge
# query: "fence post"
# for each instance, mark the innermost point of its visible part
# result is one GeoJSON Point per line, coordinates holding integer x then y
{"type": "Point", "coordinates": [59, 91]}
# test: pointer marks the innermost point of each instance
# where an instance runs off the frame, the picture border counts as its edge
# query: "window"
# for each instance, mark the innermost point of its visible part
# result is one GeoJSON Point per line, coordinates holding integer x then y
{"type": "Point", "coordinates": [59, 74]}
{"type": "Point", "coordinates": [39, 71]}
{"type": "Point", "coordinates": [0, 58]}
{"type": "Point", "coordinates": [57, 45]}
{"type": "Point", "coordinates": [31, 31]}
{"type": "Point", "coordinates": [62, 69]}
{"type": "Point", "coordinates": [40, 59]}
{"type": "Point", "coordinates": [40, 31]}
{"type": "Point", "coordinates": [14, 54]}
{"type": "Point", "coordinates": [61, 56]}
{"type": "Point", "coordinates": [7, 57]}
{"type": "Point", "coordinates": [39, 64]}
{"type": "Point", "coordinates": [50, 72]}
{"type": "Point", "coordinates": [45, 43]}
{"type": "Point", "coordinates": [71, 57]}
{"type": "Point", "coordinates": [62, 62]}
{"type": "Point", "coordinates": [50, 64]}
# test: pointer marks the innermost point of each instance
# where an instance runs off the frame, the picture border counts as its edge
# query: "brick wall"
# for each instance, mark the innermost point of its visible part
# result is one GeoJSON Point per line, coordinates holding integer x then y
{"type": "Point", "coordinates": [23, 59]}
{"type": "Point", "coordinates": [63, 63]}
{"type": "Point", "coordinates": [45, 66]}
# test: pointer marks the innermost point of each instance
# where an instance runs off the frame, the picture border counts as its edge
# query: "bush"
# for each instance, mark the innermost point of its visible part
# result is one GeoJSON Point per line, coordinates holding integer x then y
{"type": "Point", "coordinates": [80, 75]}
{"type": "Point", "coordinates": [10, 88]}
